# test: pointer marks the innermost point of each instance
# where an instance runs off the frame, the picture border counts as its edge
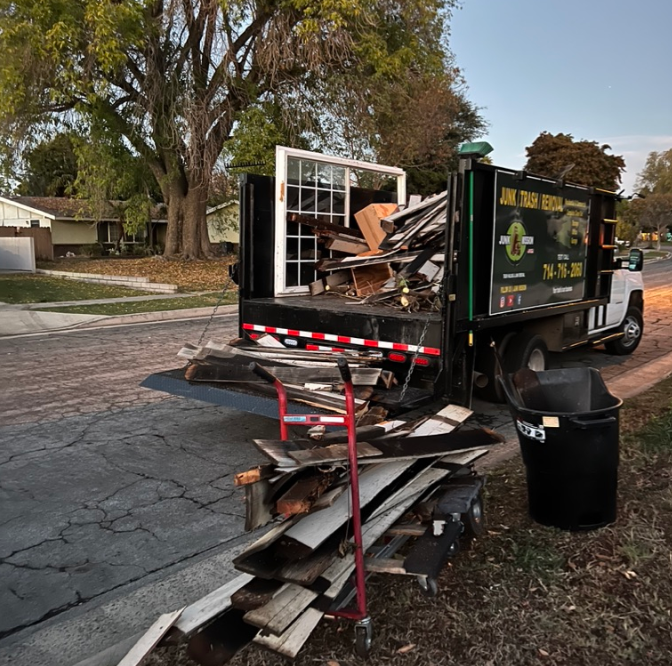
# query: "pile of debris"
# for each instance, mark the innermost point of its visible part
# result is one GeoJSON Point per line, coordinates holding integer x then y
{"type": "Point", "coordinates": [310, 377]}
{"type": "Point", "coordinates": [414, 477]}
{"type": "Point", "coordinates": [395, 258]}
{"type": "Point", "coordinates": [301, 569]}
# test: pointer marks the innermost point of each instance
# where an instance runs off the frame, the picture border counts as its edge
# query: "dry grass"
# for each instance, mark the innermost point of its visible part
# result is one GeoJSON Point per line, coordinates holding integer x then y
{"type": "Point", "coordinates": [210, 275]}
{"type": "Point", "coordinates": [526, 594]}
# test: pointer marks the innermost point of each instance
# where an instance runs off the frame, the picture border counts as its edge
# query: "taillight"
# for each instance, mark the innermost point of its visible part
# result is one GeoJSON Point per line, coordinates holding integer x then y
{"type": "Point", "coordinates": [397, 358]}
{"type": "Point", "coordinates": [421, 360]}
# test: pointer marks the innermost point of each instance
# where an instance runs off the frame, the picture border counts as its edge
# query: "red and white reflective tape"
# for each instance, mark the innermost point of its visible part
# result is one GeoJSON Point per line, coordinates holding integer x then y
{"type": "Point", "coordinates": [343, 339]}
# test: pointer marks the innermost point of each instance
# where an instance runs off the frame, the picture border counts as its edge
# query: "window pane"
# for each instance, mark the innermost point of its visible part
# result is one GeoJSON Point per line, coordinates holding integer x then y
{"type": "Point", "coordinates": [293, 171]}
{"type": "Point", "coordinates": [307, 200]}
{"type": "Point", "coordinates": [292, 274]}
{"type": "Point", "coordinates": [292, 248]}
{"type": "Point", "coordinates": [338, 203]}
{"type": "Point", "coordinates": [323, 201]}
{"type": "Point", "coordinates": [324, 176]}
{"type": "Point", "coordinates": [307, 273]}
{"type": "Point", "coordinates": [338, 178]}
{"type": "Point", "coordinates": [293, 198]}
{"type": "Point", "coordinates": [308, 248]}
{"type": "Point", "coordinates": [308, 172]}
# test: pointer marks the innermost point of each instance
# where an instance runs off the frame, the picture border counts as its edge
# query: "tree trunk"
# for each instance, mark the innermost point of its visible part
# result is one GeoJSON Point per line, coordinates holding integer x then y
{"type": "Point", "coordinates": [187, 233]}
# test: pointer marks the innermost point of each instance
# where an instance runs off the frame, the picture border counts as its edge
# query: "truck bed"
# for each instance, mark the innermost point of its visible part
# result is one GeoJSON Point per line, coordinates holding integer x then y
{"type": "Point", "coordinates": [342, 304]}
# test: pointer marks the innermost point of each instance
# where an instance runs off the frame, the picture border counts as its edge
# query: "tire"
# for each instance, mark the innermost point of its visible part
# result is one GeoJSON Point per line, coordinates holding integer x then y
{"type": "Point", "coordinates": [363, 638]}
{"type": "Point", "coordinates": [633, 328]}
{"type": "Point", "coordinates": [473, 519]}
{"type": "Point", "coordinates": [428, 586]}
{"type": "Point", "coordinates": [487, 364]}
{"type": "Point", "coordinates": [526, 350]}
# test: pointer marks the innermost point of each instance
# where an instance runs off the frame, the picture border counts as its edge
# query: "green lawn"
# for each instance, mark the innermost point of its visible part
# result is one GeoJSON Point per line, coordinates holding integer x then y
{"type": "Point", "coordinates": [134, 307]}
{"type": "Point", "coordinates": [42, 289]}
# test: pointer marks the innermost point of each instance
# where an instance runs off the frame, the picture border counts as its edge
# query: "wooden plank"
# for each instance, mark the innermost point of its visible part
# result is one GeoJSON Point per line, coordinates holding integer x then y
{"type": "Point", "coordinates": [150, 639]}
{"type": "Point", "coordinates": [407, 529]}
{"type": "Point", "coordinates": [345, 245]}
{"type": "Point", "coordinates": [338, 573]}
{"type": "Point", "coordinates": [253, 475]}
{"type": "Point", "coordinates": [315, 528]}
{"type": "Point", "coordinates": [395, 447]}
{"type": "Point", "coordinates": [215, 369]}
{"type": "Point", "coordinates": [294, 638]}
{"type": "Point", "coordinates": [256, 593]}
{"type": "Point", "coordinates": [278, 450]}
{"type": "Point", "coordinates": [368, 220]}
{"type": "Point", "coordinates": [259, 505]}
{"type": "Point", "coordinates": [422, 481]}
{"type": "Point", "coordinates": [369, 279]}
{"type": "Point", "coordinates": [285, 607]}
{"type": "Point", "coordinates": [266, 540]}
{"type": "Point", "coordinates": [386, 565]}
{"type": "Point", "coordinates": [267, 340]}
{"type": "Point", "coordinates": [329, 497]}
{"type": "Point", "coordinates": [334, 453]}
{"type": "Point", "coordinates": [209, 607]}
{"type": "Point", "coordinates": [322, 223]}
{"type": "Point", "coordinates": [301, 497]}
{"type": "Point", "coordinates": [444, 421]}
{"type": "Point", "coordinates": [307, 570]}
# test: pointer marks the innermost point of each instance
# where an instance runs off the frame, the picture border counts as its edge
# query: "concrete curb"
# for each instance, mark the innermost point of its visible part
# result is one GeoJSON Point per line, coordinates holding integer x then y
{"type": "Point", "coordinates": [162, 315]}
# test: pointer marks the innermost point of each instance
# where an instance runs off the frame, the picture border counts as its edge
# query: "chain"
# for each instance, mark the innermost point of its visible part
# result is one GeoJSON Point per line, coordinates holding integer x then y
{"type": "Point", "coordinates": [222, 296]}
{"type": "Point", "coordinates": [407, 381]}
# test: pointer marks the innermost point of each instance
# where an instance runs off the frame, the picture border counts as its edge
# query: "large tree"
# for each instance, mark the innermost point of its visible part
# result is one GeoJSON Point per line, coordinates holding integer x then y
{"type": "Point", "coordinates": [172, 77]}
{"type": "Point", "coordinates": [582, 162]}
{"type": "Point", "coordinates": [651, 209]}
{"type": "Point", "coordinates": [656, 176]}
{"type": "Point", "coordinates": [50, 168]}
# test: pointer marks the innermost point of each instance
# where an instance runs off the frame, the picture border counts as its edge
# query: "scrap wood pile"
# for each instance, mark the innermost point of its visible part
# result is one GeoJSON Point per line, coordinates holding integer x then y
{"type": "Point", "coordinates": [301, 568]}
{"type": "Point", "coordinates": [310, 377]}
{"type": "Point", "coordinates": [395, 257]}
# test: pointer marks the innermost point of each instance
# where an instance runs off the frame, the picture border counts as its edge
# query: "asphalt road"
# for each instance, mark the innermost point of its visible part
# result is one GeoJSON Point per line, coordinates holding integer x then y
{"type": "Point", "coordinates": [104, 485]}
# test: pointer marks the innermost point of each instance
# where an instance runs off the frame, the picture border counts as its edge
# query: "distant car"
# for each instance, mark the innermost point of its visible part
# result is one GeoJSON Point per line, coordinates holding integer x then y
{"type": "Point", "coordinates": [622, 243]}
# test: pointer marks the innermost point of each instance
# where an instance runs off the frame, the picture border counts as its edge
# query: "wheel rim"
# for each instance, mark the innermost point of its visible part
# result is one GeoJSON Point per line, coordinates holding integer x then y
{"type": "Point", "coordinates": [537, 361]}
{"type": "Point", "coordinates": [477, 511]}
{"type": "Point", "coordinates": [632, 331]}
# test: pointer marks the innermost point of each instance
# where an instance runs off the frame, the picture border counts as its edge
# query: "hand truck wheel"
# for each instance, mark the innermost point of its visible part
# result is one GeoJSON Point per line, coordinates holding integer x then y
{"type": "Point", "coordinates": [428, 586]}
{"type": "Point", "coordinates": [473, 518]}
{"type": "Point", "coordinates": [363, 637]}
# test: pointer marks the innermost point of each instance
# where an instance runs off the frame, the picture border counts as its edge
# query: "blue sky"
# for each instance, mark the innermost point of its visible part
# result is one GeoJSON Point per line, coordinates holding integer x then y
{"type": "Point", "coordinates": [597, 69]}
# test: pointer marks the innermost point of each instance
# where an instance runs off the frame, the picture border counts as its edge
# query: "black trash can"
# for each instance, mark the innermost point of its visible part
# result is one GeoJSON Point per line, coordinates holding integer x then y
{"type": "Point", "coordinates": [567, 425]}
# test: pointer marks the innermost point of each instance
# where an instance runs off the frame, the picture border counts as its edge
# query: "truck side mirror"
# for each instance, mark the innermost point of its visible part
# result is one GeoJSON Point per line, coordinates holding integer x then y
{"type": "Point", "coordinates": [635, 260]}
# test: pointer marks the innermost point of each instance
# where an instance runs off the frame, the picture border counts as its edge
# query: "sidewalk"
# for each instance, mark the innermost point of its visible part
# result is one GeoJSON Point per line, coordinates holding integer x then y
{"type": "Point", "coordinates": [24, 319]}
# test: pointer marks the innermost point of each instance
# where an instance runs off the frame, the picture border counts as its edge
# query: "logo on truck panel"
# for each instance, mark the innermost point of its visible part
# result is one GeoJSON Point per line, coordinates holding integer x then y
{"type": "Point", "coordinates": [516, 241]}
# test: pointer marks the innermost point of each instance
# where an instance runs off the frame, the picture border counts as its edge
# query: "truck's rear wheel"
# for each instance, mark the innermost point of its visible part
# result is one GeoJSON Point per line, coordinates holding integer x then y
{"type": "Point", "coordinates": [526, 350]}
{"type": "Point", "coordinates": [632, 329]}
{"type": "Point", "coordinates": [488, 365]}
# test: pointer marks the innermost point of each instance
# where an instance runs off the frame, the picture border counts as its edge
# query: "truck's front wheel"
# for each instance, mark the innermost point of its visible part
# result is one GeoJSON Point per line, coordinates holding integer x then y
{"type": "Point", "coordinates": [632, 329]}
{"type": "Point", "coordinates": [526, 350]}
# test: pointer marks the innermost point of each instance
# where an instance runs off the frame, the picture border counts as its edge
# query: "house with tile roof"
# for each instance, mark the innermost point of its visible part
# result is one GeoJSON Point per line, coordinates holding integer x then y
{"type": "Point", "coordinates": [75, 222]}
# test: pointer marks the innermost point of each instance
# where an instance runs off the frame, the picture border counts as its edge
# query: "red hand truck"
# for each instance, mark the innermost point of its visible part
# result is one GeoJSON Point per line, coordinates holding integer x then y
{"type": "Point", "coordinates": [363, 626]}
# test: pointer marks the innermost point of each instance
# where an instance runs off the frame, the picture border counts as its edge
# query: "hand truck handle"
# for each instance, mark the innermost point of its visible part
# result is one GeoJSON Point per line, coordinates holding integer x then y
{"type": "Point", "coordinates": [260, 371]}
{"type": "Point", "coordinates": [344, 369]}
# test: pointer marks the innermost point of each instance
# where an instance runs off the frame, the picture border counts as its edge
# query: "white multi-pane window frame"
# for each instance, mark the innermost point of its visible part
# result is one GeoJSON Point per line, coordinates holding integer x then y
{"type": "Point", "coordinates": [331, 181]}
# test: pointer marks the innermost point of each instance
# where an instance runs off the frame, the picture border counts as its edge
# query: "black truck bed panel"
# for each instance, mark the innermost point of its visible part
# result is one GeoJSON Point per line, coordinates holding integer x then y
{"type": "Point", "coordinates": [330, 314]}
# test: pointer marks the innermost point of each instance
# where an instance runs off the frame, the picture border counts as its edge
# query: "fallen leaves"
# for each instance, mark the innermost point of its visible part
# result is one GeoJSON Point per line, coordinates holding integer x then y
{"type": "Point", "coordinates": [406, 648]}
{"type": "Point", "coordinates": [206, 275]}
